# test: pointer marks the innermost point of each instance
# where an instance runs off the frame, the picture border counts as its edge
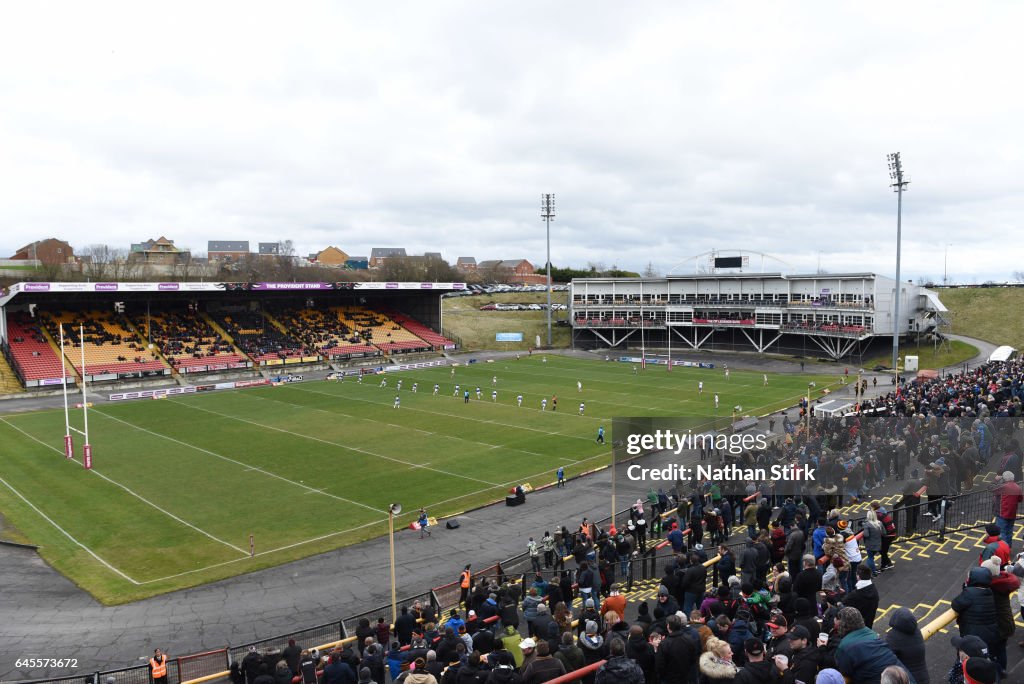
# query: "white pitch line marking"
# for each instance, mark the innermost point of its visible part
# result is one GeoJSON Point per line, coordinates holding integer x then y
{"type": "Point", "coordinates": [232, 460]}
{"type": "Point", "coordinates": [133, 493]}
{"type": "Point", "coordinates": [68, 534]}
{"type": "Point", "coordinates": [327, 441]}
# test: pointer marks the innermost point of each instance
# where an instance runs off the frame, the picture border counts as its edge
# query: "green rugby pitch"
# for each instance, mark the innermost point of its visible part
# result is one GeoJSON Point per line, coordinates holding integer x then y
{"type": "Point", "coordinates": [179, 484]}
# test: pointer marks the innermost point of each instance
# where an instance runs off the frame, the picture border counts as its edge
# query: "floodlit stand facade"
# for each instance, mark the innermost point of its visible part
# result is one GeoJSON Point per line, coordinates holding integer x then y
{"type": "Point", "coordinates": [831, 315]}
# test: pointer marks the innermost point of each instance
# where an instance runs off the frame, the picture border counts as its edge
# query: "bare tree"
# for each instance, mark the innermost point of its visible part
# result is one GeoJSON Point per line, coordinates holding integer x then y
{"type": "Point", "coordinates": [1018, 276]}
{"type": "Point", "coordinates": [98, 261]}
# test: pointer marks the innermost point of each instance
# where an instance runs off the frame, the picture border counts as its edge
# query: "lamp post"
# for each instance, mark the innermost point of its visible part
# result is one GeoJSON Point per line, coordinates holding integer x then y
{"type": "Point", "coordinates": [393, 510]}
{"type": "Point", "coordinates": [899, 184]}
{"type": "Point", "coordinates": [547, 212]}
{"type": "Point", "coordinates": [809, 386]}
{"type": "Point", "coordinates": [945, 264]}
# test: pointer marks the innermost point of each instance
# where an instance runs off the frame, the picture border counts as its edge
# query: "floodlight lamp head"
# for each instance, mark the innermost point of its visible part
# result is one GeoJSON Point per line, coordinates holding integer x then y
{"type": "Point", "coordinates": [395, 508]}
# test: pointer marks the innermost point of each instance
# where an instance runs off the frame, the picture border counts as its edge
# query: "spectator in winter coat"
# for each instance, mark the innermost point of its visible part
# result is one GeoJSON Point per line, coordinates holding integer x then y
{"type": "Point", "coordinates": [725, 567]}
{"type": "Point", "coordinates": [750, 518]}
{"type": "Point", "coordinates": [905, 640]}
{"type": "Point", "coordinates": [864, 597]}
{"type": "Point", "coordinates": [592, 645]}
{"type": "Point", "coordinates": [569, 654]}
{"type": "Point", "coordinates": [861, 655]}
{"type": "Point", "coordinates": [678, 653]}
{"type": "Point", "coordinates": [794, 551]}
{"type": "Point", "coordinates": [976, 609]}
{"type": "Point", "coordinates": [716, 665]}
{"type": "Point", "coordinates": [544, 667]}
{"type": "Point", "coordinates": [994, 546]}
{"type": "Point", "coordinates": [1003, 586]}
{"type": "Point", "coordinates": [758, 669]}
{"type": "Point", "coordinates": [748, 562]}
{"type": "Point", "coordinates": [619, 669]}
{"type": "Point", "coordinates": [818, 538]}
{"type": "Point", "coordinates": [807, 583]}
{"type": "Point", "coordinates": [805, 660]}
{"type": "Point", "coordinates": [1009, 498]}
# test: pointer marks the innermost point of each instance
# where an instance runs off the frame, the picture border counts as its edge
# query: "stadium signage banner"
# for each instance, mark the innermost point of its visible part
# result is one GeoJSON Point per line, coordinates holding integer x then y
{"type": "Point", "coordinates": [413, 366]}
{"type": "Point", "coordinates": [19, 288]}
{"type": "Point", "coordinates": [508, 337]}
{"type": "Point", "coordinates": [147, 394]}
{"type": "Point", "coordinates": [664, 362]}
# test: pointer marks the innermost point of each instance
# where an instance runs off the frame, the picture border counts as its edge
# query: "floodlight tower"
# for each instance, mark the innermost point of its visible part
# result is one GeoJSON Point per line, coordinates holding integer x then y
{"type": "Point", "coordinates": [547, 212]}
{"type": "Point", "coordinates": [898, 185]}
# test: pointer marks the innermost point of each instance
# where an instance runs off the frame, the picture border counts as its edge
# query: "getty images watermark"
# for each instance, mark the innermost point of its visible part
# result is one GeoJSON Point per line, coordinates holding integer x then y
{"type": "Point", "coordinates": [702, 449]}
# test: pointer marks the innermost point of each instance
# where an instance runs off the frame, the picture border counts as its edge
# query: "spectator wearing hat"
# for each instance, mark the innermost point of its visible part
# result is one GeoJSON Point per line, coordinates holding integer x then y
{"type": "Point", "coordinates": [619, 669]}
{"type": "Point", "coordinates": [805, 659]}
{"type": "Point", "coordinates": [1003, 586]}
{"type": "Point", "coordinates": [829, 676]}
{"type": "Point", "coordinates": [666, 601]}
{"type": "Point", "coordinates": [972, 647]}
{"type": "Point", "coordinates": [980, 671]}
{"type": "Point", "coordinates": [1008, 498]}
{"type": "Point", "coordinates": [861, 655]}
{"type": "Point", "coordinates": [529, 648]}
{"type": "Point", "coordinates": [591, 643]}
{"type": "Point", "coordinates": [758, 669]}
{"type": "Point", "coordinates": [976, 609]}
{"type": "Point", "coordinates": [778, 628]}
{"type": "Point", "coordinates": [905, 639]}
{"type": "Point", "coordinates": [994, 546]}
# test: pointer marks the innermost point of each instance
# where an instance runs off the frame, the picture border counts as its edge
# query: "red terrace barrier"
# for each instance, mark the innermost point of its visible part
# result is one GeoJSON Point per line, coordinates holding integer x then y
{"type": "Point", "coordinates": [751, 497]}
{"type": "Point", "coordinates": [577, 675]}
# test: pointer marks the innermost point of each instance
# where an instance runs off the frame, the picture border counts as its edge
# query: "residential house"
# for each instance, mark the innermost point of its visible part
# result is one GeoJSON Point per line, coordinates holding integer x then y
{"type": "Point", "coordinates": [331, 256]}
{"type": "Point", "coordinates": [516, 270]}
{"type": "Point", "coordinates": [227, 251]}
{"type": "Point", "coordinates": [466, 263]}
{"type": "Point", "coordinates": [378, 255]}
{"type": "Point", "coordinates": [50, 251]}
{"type": "Point", "coordinates": [160, 251]}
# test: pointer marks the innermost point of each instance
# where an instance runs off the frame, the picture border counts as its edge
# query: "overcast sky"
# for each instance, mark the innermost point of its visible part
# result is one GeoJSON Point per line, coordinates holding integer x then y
{"type": "Point", "coordinates": [664, 130]}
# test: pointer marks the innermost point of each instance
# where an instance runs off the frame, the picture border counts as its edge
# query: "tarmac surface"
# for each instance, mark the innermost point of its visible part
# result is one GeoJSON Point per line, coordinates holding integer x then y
{"type": "Point", "coordinates": [44, 615]}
